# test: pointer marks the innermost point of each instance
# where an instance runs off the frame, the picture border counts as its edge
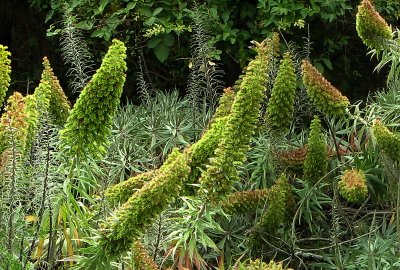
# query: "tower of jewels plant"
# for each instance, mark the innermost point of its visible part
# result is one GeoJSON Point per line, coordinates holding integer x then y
{"type": "Point", "coordinates": [89, 123]}
{"type": "Point", "coordinates": [217, 180]}
{"type": "Point", "coordinates": [316, 162]}
{"type": "Point", "coordinates": [322, 93]}
{"type": "Point", "coordinates": [281, 104]}
{"type": "Point", "coordinates": [371, 27]}
{"type": "Point", "coordinates": [5, 70]}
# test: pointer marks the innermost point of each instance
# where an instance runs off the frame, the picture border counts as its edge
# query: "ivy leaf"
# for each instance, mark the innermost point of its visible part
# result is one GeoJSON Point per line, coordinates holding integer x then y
{"type": "Point", "coordinates": [327, 63]}
{"type": "Point", "coordinates": [130, 5]}
{"type": "Point", "coordinates": [162, 52]}
{"type": "Point", "coordinates": [152, 43]}
{"type": "Point", "coordinates": [149, 21]}
{"type": "Point", "coordinates": [157, 11]}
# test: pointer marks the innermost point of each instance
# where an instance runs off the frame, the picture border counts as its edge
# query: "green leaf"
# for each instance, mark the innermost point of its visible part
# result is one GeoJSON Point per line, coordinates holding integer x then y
{"type": "Point", "coordinates": [98, 33]}
{"type": "Point", "coordinates": [149, 21]}
{"type": "Point", "coordinates": [152, 43]}
{"type": "Point", "coordinates": [162, 52]}
{"type": "Point", "coordinates": [157, 11]}
{"type": "Point", "coordinates": [327, 63]}
{"type": "Point", "coordinates": [169, 40]}
{"type": "Point", "coordinates": [130, 5]}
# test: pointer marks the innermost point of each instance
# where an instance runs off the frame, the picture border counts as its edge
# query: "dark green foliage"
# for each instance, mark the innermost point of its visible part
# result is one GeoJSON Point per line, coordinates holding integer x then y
{"type": "Point", "coordinates": [281, 104]}
{"type": "Point", "coordinates": [88, 126]}
{"type": "Point", "coordinates": [316, 163]}
{"type": "Point", "coordinates": [217, 181]}
{"type": "Point", "coordinates": [371, 27]}
{"type": "Point", "coordinates": [132, 218]}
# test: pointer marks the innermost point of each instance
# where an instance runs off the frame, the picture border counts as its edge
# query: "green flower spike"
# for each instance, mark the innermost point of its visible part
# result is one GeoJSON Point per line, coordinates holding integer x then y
{"type": "Point", "coordinates": [279, 201]}
{"type": "Point", "coordinates": [244, 202]}
{"type": "Point", "coordinates": [133, 217]}
{"type": "Point", "coordinates": [260, 265]}
{"type": "Point", "coordinates": [5, 70]}
{"type": "Point", "coordinates": [371, 27]}
{"type": "Point", "coordinates": [59, 106]}
{"type": "Point", "coordinates": [205, 147]}
{"type": "Point", "coordinates": [220, 175]}
{"type": "Point", "coordinates": [32, 119]}
{"type": "Point", "coordinates": [352, 186]}
{"type": "Point", "coordinates": [321, 92]}
{"type": "Point", "coordinates": [201, 151]}
{"type": "Point", "coordinates": [13, 122]}
{"type": "Point", "coordinates": [316, 163]}
{"type": "Point", "coordinates": [89, 123]}
{"type": "Point", "coordinates": [387, 141]}
{"type": "Point", "coordinates": [142, 259]}
{"type": "Point", "coordinates": [281, 105]}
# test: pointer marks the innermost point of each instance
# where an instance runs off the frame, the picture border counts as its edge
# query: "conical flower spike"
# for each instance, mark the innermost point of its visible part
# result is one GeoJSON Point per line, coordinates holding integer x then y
{"type": "Point", "coordinates": [5, 70]}
{"type": "Point", "coordinates": [321, 92]}
{"type": "Point", "coordinates": [387, 141]}
{"type": "Point", "coordinates": [281, 105]}
{"type": "Point", "coordinates": [316, 163]}
{"type": "Point", "coordinates": [371, 27]}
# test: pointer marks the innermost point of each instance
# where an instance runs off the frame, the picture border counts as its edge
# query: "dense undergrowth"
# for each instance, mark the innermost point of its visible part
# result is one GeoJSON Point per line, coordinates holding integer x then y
{"type": "Point", "coordinates": [282, 173]}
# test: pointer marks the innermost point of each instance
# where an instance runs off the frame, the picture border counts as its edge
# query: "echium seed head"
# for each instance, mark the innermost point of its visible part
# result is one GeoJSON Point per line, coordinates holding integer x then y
{"type": "Point", "coordinates": [371, 27]}
{"type": "Point", "coordinates": [321, 92]}
{"type": "Point", "coordinates": [352, 186]}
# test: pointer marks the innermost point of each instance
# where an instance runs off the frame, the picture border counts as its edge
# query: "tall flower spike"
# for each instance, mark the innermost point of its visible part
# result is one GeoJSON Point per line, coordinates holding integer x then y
{"type": "Point", "coordinates": [322, 93]}
{"type": "Point", "coordinates": [260, 265]}
{"type": "Point", "coordinates": [352, 186]}
{"type": "Point", "coordinates": [132, 218]}
{"type": "Point", "coordinates": [142, 259]}
{"type": "Point", "coordinates": [293, 158]}
{"type": "Point", "coordinates": [279, 199]}
{"type": "Point", "coordinates": [243, 202]}
{"type": "Point", "coordinates": [88, 126]}
{"type": "Point", "coordinates": [371, 27]}
{"type": "Point", "coordinates": [204, 148]}
{"type": "Point", "coordinates": [201, 151]}
{"type": "Point", "coordinates": [59, 106]}
{"type": "Point", "coordinates": [32, 119]}
{"type": "Point", "coordinates": [281, 105]}
{"type": "Point", "coordinates": [13, 121]}
{"type": "Point", "coordinates": [386, 140]}
{"type": "Point", "coordinates": [220, 175]}
{"type": "Point", "coordinates": [5, 70]}
{"type": "Point", "coordinates": [316, 163]}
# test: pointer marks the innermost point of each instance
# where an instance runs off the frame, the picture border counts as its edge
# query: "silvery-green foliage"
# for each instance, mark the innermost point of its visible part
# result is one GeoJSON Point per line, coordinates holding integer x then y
{"type": "Point", "coordinates": [75, 53]}
{"type": "Point", "coordinates": [205, 79]}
